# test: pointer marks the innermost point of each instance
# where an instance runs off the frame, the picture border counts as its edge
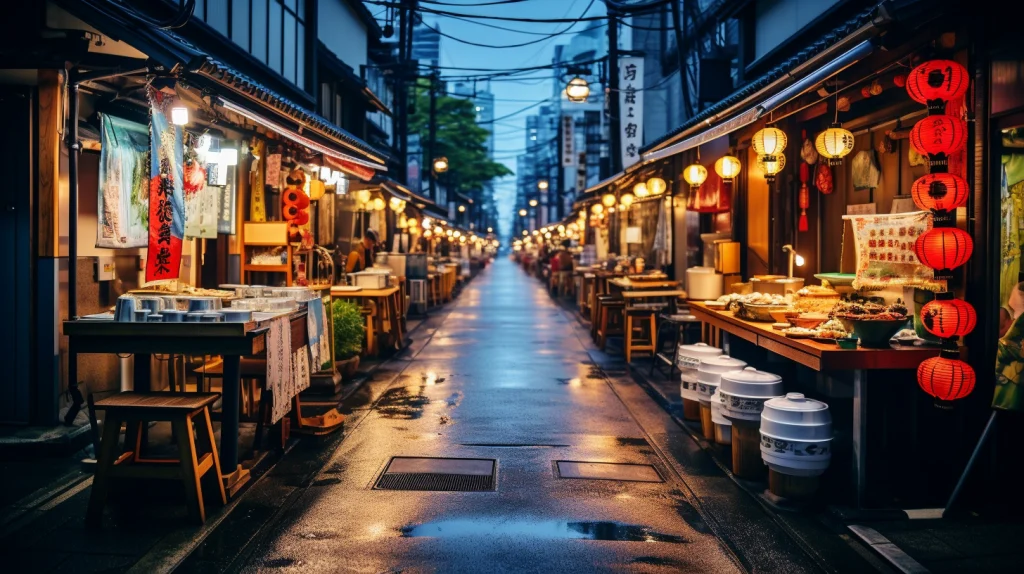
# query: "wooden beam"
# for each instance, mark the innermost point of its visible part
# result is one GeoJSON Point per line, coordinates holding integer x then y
{"type": "Point", "coordinates": [50, 127]}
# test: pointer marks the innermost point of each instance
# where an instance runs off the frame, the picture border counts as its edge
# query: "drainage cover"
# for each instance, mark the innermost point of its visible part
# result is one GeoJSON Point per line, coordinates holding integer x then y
{"type": "Point", "coordinates": [608, 471]}
{"type": "Point", "coordinates": [438, 474]}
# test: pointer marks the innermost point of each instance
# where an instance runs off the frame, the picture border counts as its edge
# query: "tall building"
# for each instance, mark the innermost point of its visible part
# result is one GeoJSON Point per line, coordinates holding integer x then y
{"type": "Point", "coordinates": [483, 104]}
{"type": "Point", "coordinates": [544, 141]}
{"type": "Point", "coordinates": [426, 42]}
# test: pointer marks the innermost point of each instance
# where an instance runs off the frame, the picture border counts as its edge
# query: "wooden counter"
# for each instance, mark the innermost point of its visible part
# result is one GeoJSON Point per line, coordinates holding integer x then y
{"type": "Point", "coordinates": [809, 353]}
{"type": "Point", "coordinates": [825, 358]}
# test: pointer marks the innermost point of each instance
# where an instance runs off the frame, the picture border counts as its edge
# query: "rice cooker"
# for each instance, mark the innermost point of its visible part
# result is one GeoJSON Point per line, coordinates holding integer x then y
{"type": "Point", "coordinates": [703, 284]}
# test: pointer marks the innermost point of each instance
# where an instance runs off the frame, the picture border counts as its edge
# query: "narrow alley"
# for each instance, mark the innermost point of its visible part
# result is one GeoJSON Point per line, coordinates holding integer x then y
{"type": "Point", "coordinates": [505, 377]}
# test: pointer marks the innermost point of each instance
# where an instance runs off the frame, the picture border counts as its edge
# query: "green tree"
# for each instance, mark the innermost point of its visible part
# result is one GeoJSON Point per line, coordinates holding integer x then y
{"type": "Point", "coordinates": [459, 138]}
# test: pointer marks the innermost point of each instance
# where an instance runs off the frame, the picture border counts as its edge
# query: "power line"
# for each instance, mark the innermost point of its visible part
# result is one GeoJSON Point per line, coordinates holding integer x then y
{"type": "Point", "coordinates": [519, 45]}
{"type": "Point", "coordinates": [503, 18]}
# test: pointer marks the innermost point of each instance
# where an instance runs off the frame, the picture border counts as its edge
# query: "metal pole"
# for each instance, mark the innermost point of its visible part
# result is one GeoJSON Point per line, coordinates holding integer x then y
{"type": "Point", "coordinates": [613, 88]}
{"type": "Point", "coordinates": [432, 137]}
{"type": "Point", "coordinates": [401, 95]}
{"type": "Point", "coordinates": [970, 463]}
{"type": "Point", "coordinates": [677, 25]}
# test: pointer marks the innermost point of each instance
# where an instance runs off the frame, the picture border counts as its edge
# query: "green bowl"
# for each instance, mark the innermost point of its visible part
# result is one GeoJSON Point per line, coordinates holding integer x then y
{"type": "Point", "coordinates": [847, 343]}
{"type": "Point", "coordinates": [874, 334]}
{"type": "Point", "coordinates": [837, 279]}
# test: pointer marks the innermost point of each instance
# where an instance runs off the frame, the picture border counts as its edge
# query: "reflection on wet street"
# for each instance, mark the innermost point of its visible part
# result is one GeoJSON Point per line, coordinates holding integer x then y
{"type": "Point", "coordinates": [503, 377]}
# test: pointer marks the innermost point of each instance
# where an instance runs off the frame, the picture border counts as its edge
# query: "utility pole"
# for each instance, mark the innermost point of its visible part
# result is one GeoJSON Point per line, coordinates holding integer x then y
{"type": "Point", "coordinates": [432, 137]}
{"type": "Point", "coordinates": [401, 95]}
{"type": "Point", "coordinates": [613, 88]}
{"type": "Point", "coordinates": [560, 180]}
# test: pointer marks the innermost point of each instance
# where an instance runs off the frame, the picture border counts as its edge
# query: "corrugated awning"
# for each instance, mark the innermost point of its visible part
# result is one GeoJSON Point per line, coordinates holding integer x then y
{"type": "Point", "coordinates": [835, 52]}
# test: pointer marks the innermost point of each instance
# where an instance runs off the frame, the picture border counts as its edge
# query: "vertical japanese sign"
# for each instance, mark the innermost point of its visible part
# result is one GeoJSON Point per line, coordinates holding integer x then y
{"type": "Point", "coordinates": [568, 141]}
{"type": "Point", "coordinates": [631, 109]}
{"type": "Point", "coordinates": [166, 198]}
{"type": "Point", "coordinates": [581, 172]}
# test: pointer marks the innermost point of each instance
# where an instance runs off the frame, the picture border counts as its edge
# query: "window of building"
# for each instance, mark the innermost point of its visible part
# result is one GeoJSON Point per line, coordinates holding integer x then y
{"type": "Point", "coordinates": [273, 31]}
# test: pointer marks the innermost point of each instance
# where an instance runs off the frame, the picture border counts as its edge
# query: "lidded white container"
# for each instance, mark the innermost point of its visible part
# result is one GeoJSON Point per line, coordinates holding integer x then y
{"type": "Point", "coordinates": [709, 374]}
{"type": "Point", "coordinates": [688, 360]}
{"type": "Point", "coordinates": [743, 393]}
{"type": "Point", "coordinates": [796, 435]}
{"type": "Point", "coordinates": [723, 426]}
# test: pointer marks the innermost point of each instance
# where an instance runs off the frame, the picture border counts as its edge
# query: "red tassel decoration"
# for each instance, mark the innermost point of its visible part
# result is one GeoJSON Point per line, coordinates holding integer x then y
{"type": "Point", "coordinates": [803, 221]}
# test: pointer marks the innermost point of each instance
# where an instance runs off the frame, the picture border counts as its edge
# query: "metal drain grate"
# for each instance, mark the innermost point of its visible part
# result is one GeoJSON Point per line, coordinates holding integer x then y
{"type": "Point", "coordinates": [438, 474]}
{"type": "Point", "coordinates": [607, 471]}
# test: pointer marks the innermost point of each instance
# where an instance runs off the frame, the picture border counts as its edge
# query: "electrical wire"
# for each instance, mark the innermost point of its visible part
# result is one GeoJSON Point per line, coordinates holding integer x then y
{"type": "Point", "coordinates": [487, 17]}
{"type": "Point", "coordinates": [565, 30]}
{"type": "Point", "coordinates": [494, 3]}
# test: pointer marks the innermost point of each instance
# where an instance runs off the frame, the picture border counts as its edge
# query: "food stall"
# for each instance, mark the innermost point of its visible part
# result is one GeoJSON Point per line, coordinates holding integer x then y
{"type": "Point", "coordinates": [827, 236]}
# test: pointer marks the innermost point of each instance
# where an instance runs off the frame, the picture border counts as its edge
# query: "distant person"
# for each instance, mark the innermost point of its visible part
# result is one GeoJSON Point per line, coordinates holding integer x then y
{"type": "Point", "coordinates": [363, 255]}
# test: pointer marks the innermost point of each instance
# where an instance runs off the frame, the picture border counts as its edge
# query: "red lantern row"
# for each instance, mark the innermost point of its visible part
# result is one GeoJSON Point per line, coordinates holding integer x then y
{"type": "Point", "coordinates": [944, 249]}
{"type": "Point", "coordinates": [940, 191]}
{"type": "Point", "coordinates": [936, 82]}
{"type": "Point", "coordinates": [947, 317]}
{"type": "Point", "coordinates": [938, 137]}
{"type": "Point", "coordinates": [946, 377]}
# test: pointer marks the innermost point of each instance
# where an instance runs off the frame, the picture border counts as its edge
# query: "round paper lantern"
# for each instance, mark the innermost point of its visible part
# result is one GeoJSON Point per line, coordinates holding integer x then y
{"type": "Point", "coordinates": [656, 186]}
{"type": "Point", "coordinates": [608, 199]}
{"type": "Point", "coordinates": [946, 377]}
{"type": "Point", "coordinates": [834, 144]}
{"type": "Point", "coordinates": [727, 167]}
{"type": "Point", "coordinates": [940, 191]}
{"type": "Point", "coordinates": [944, 249]}
{"type": "Point", "coordinates": [640, 190]}
{"type": "Point", "coordinates": [936, 82]}
{"type": "Point", "coordinates": [771, 167]}
{"type": "Point", "coordinates": [626, 200]}
{"type": "Point", "coordinates": [597, 209]}
{"type": "Point", "coordinates": [947, 317]}
{"type": "Point", "coordinates": [769, 142]}
{"type": "Point", "coordinates": [938, 137]}
{"type": "Point", "coordinates": [695, 175]}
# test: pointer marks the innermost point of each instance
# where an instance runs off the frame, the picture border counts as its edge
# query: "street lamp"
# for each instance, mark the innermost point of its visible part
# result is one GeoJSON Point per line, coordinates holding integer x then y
{"type": "Point", "coordinates": [462, 209]}
{"type": "Point", "coordinates": [577, 90]}
{"type": "Point", "coordinates": [441, 165]}
{"type": "Point", "coordinates": [542, 185]}
{"type": "Point", "coordinates": [522, 213]}
{"type": "Point", "coordinates": [533, 203]}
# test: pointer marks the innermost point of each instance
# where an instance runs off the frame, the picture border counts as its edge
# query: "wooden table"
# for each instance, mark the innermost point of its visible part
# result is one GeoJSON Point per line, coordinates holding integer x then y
{"type": "Point", "coordinates": [230, 340]}
{"type": "Point", "coordinates": [823, 358]}
{"type": "Point", "coordinates": [389, 312]}
{"type": "Point", "coordinates": [627, 284]}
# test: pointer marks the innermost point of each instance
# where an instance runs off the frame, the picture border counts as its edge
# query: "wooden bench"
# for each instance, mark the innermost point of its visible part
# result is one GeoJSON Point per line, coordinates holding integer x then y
{"type": "Point", "coordinates": [189, 415]}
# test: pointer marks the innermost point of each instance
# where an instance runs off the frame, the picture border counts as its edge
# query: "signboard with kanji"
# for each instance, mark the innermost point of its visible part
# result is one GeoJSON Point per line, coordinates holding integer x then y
{"type": "Point", "coordinates": [631, 109]}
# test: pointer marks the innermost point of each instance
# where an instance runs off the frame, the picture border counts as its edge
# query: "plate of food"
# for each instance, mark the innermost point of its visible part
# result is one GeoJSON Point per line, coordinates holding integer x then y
{"type": "Point", "coordinates": [800, 333]}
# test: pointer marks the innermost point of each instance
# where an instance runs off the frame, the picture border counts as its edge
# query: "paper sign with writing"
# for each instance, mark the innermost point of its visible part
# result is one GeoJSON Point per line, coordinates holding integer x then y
{"type": "Point", "coordinates": [885, 250]}
{"type": "Point", "coordinates": [631, 109]}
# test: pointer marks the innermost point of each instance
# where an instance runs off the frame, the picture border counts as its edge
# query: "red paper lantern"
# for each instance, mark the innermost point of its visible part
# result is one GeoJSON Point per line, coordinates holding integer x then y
{"type": "Point", "coordinates": [938, 137]}
{"type": "Point", "coordinates": [947, 317]}
{"type": "Point", "coordinates": [936, 82]}
{"type": "Point", "coordinates": [945, 377]}
{"type": "Point", "coordinates": [944, 248]}
{"type": "Point", "coordinates": [940, 191]}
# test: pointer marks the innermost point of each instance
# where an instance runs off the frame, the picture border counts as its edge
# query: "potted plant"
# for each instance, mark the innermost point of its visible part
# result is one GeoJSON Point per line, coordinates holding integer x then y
{"type": "Point", "coordinates": [348, 336]}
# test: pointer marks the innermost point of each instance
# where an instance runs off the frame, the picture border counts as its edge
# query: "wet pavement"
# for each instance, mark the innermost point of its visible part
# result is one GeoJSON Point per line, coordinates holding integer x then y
{"type": "Point", "coordinates": [505, 375]}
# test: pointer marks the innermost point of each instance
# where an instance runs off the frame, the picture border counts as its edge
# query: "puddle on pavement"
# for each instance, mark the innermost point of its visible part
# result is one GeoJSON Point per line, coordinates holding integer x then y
{"type": "Point", "coordinates": [542, 529]}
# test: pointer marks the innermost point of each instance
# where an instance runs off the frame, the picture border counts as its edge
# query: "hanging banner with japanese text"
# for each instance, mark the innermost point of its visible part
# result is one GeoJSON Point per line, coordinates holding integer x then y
{"type": "Point", "coordinates": [631, 109]}
{"type": "Point", "coordinates": [166, 198]}
{"type": "Point", "coordinates": [885, 250]}
{"type": "Point", "coordinates": [568, 141]}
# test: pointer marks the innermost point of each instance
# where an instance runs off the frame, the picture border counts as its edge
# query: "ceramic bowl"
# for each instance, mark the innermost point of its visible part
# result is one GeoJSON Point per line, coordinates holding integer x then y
{"type": "Point", "coordinates": [141, 315]}
{"type": "Point", "coordinates": [211, 318]}
{"type": "Point", "coordinates": [203, 304]}
{"type": "Point", "coordinates": [194, 317]}
{"type": "Point", "coordinates": [236, 315]}
{"type": "Point", "coordinates": [875, 334]}
{"type": "Point", "coordinates": [155, 318]}
{"type": "Point", "coordinates": [173, 316]}
{"type": "Point", "coordinates": [847, 342]}
{"type": "Point", "coordinates": [808, 321]}
{"type": "Point", "coordinates": [780, 315]}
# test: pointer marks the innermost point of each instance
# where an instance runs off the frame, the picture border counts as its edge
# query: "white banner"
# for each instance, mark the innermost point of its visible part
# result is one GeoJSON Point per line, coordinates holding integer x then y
{"type": "Point", "coordinates": [568, 142]}
{"type": "Point", "coordinates": [581, 172]}
{"type": "Point", "coordinates": [631, 109]}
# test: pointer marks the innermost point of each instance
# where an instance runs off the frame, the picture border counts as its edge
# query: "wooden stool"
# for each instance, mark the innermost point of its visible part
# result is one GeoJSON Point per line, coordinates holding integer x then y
{"type": "Point", "coordinates": [641, 317]}
{"type": "Point", "coordinates": [610, 319]}
{"type": "Point", "coordinates": [183, 411]}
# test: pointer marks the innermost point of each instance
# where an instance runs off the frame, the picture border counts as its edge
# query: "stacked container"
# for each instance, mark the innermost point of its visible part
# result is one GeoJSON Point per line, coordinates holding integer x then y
{"type": "Point", "coordinates": [743, 394]}
{"type": "Point", "coordinates": [723, 428]}
{"type": "Point", "coordinates": [796, 444]}
{"type": "Point", "coordinates": [688, 359]}
{"type": "Point", "coordinates": [709, 376]}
